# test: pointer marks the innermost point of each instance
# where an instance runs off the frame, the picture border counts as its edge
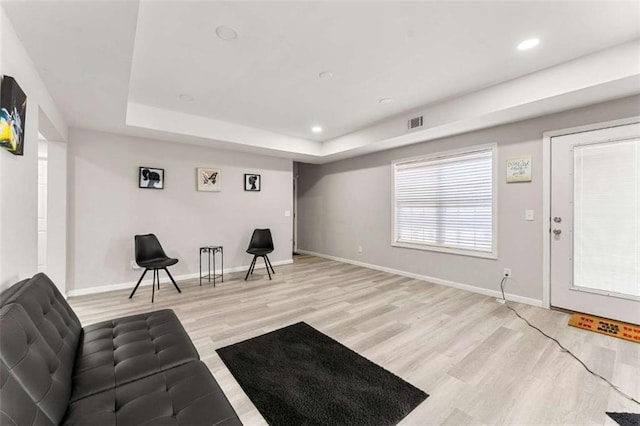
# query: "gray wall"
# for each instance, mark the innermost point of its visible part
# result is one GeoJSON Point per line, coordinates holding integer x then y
{"type": "Point", "coordinates": [348, 203]}
{"type": "Point", "coordinates": [107, 208]}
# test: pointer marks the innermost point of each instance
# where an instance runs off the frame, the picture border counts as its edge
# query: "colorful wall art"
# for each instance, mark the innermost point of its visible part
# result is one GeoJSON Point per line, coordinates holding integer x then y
{"type": "Point", "coordinates": [13, 109]}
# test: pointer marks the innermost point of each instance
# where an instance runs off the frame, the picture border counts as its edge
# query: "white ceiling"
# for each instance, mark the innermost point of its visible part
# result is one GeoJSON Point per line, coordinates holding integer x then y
{"type": "Point", "coordinates": [121, 66]}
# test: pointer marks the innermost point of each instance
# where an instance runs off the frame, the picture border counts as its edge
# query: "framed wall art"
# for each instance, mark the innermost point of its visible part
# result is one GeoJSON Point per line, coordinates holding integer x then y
{"type": "Point", "coordinates": [519, 169]}
{"type": "Point", "coordinates": [252, 182]}
{"type": "Point", "coordinates": [208, 179]}
{"type": "Point", "coordinates": [151, 178]}
{"type": "Point", "coordinates": [13, 110]}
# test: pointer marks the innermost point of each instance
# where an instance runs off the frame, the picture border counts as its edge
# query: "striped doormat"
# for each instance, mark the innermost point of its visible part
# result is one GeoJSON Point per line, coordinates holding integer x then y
{"type": "Point", "coordinates": [609, 327]}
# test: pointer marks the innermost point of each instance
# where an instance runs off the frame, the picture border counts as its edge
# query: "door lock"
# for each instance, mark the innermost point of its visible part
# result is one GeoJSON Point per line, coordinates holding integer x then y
{"type": "Point", "coordinates": [557, 231]}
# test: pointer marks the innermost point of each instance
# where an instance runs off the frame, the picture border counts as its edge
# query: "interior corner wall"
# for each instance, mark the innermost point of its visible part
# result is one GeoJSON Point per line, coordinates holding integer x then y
{"type": "Point", "coordinates": [347, 204]}
{"type": "Point", "coordinates": [18, 174]}
{"type": "Point", "coordinates": [107, 208]}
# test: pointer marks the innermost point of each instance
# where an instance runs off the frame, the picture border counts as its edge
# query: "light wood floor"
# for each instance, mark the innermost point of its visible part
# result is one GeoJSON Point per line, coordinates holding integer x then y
{"type": "Point", "coordinates": [477, 360]}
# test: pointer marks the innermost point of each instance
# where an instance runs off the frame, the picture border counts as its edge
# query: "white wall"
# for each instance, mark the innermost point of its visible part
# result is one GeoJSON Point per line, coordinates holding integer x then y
{"type": "Point", "coordinates": [107, 208]}
{"type": "Point", "coordinates": [348, 203]}
{"type": "Point", "coordinates": [18, 174]}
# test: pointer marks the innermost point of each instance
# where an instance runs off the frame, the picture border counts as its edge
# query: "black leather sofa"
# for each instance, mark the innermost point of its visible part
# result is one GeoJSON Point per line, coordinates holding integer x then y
{"type": "Point", "coordinates": [140, 369]}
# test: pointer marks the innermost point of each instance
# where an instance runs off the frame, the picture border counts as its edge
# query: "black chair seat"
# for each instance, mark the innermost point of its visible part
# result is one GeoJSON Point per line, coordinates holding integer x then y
{"type": "Point", "coordinates": [157, 263]}
{"type": "Point", "coordinates": [259, 251]}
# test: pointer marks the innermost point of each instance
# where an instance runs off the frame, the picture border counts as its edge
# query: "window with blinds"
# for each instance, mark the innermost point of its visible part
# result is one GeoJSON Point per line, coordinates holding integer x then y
{"type": "Point", "coordinates": [446, 202]}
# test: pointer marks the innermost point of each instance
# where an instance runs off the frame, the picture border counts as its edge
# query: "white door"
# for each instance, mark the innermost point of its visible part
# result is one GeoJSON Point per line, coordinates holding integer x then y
{"type": "Point", "coordinates": [595, 222]}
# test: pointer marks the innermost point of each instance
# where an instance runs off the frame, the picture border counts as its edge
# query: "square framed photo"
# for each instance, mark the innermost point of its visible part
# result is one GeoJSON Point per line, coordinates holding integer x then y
{"type": "Point", "coordinates": [208, 179]}
{"type": "Point", "coordinates": [151, 178]}
{"type": "Point", "coordinates": [252, 182]}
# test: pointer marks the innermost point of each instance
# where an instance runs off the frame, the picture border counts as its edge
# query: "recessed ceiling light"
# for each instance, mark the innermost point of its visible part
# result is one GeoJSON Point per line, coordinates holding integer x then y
{"type": "Point", "coordinates": [385, 101]}
{"type": "Point", "coordinates": [316, 129]}
{"type": "Point", "coordinates": [186, 98]}
{"type": "Point", "coordinates": [325, 75]}
{"type": "Point", "coordinates": [226, 33]}
{"type": "Point", "coordinates": [529, 44]}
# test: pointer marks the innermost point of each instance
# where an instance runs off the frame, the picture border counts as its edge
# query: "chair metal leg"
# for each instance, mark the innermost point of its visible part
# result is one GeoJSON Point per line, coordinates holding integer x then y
{"type": "Point", "coordinates": [139, 281]}
{"type": "Point", "coordinates": [253, 262]}
{"type": "Point", "coordinates": [153, 284]}
{"type": "Point", "coordinates": [266, 265]}
{"type": "Point", "coordinates": [269, 262]}
{"type": "Point", "coordinates": [172, 280]}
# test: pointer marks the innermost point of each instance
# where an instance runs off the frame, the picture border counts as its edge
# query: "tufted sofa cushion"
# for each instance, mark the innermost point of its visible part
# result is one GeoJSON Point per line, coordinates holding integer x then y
{"type": "Point", "coordinates": [17, 406]}
{"type": "Point", "coordinates": [116, 352]}
{"type": "Point", "coordinates": [186, 395]}
{"type": "Point", "coordinates": [50, 314]}
{"type": "Point", "coordinates": [29, 362]}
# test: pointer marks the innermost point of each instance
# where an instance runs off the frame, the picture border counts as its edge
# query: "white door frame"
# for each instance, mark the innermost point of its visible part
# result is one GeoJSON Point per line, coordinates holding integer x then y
{"type": "Point", "coordinates": [546, 194]}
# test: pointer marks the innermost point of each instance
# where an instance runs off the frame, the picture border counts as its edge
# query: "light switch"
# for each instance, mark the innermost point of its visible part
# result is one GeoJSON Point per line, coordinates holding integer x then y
{"type": "Point", "coordinates": [528, 214]}
{"type": "Point", "coordinates": [287, 213]}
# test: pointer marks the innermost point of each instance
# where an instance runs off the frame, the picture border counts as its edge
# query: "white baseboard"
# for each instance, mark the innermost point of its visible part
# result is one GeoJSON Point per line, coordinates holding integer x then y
{"type": "Point", "coordinates": [434, 280]}
{"type": "Point", "coordinates": [164, 279]}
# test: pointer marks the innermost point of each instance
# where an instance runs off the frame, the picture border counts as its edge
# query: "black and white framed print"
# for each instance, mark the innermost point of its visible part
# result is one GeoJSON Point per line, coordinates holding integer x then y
{"type": "Point", "coordinates": [151, 177]}
{"type": "Point", "coordinates": [252, 182]}
{"type": "Point", "coordinates": [208, 179]}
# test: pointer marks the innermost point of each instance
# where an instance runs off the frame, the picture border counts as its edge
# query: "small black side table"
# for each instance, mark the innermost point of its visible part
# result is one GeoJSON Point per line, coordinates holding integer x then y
{"type": "Point", "coordinates": [211, 256]}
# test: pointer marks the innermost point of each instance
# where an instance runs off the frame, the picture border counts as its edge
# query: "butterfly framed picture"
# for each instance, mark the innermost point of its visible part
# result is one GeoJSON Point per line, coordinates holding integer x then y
{"type": "Point", "coordinates": [208, 179]}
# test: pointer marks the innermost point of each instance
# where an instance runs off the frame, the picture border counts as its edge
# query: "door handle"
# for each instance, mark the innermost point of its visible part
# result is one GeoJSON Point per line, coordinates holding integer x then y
{"type": "Point", "coordinates": [557, 231]}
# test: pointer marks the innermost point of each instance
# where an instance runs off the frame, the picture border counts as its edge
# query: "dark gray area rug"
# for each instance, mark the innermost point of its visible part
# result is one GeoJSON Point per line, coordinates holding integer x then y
{"type": "Point", "coordinates": [298, 376]}
{"type": "Point", "coordinates": [626, 419]}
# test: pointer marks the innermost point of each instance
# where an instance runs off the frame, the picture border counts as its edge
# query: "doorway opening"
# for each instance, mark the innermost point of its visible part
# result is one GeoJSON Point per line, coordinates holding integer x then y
{"type": "Point", "coordinates": [42, 203]}
{"type": "Point", "coordinates": [52, 202]}
{"type": "Point", "coordinates": [295, 215]}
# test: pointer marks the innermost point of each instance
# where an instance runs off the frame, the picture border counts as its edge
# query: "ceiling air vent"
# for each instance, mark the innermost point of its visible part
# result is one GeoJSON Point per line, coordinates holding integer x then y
{"type": "Point", "coordinates": [415, 122]}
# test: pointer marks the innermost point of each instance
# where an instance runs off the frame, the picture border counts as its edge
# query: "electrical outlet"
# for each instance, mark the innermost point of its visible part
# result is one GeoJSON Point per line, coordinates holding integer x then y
{"type": "Point", "coordinates": [507, 272]}
{"type": "Point", "coordinates": [359, 249]}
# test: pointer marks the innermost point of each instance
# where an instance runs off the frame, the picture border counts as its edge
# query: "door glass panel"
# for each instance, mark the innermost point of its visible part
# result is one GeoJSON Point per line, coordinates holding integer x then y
{"type": "Point", "coordinates": [606, 240]}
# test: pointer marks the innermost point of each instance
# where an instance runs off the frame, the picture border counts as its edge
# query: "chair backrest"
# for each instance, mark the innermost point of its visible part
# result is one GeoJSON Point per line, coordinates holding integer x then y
{"type": "Point", "coordinates": [148, 248]}
{"type": "Point", "coordinates": [261, 238]}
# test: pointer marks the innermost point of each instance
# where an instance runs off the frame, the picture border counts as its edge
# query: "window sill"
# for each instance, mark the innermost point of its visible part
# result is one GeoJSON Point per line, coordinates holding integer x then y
{"type": "Point", "coordinates": [448, 250]}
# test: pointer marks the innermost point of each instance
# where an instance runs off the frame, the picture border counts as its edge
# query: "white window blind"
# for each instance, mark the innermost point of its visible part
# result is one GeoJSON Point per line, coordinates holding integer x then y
{"type": "Point", "coordinates": [606, 237]}
{"type": "Point", "coordinates": [446, 201]}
